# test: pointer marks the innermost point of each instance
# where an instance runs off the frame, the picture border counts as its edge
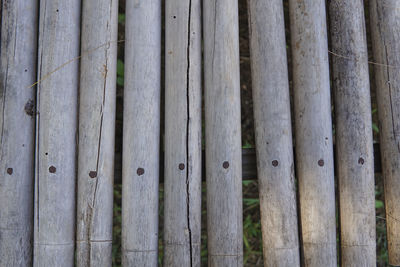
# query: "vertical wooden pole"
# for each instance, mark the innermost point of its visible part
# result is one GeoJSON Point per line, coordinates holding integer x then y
{"type": "Point", "coordinates": [56, 133]}
{"type": "Point", "coordinates": [96, 132]}
{"type": "Point", "coordinates": [182, 210]}
{"type": "Point", "coordinates": [141, 140]}
{"type": "Point", "coordinates": [354, 147]}
{"type": "Point", "coordinates": [273, 133]}
{"type": "Point", "coordinates": [314, 150]}
{"type": "Point", "coordinates": [385, 21]}
{"type": "Point", "coordinates": [18, 50]}
{"type": "Point", "coordinates": [223, 134]}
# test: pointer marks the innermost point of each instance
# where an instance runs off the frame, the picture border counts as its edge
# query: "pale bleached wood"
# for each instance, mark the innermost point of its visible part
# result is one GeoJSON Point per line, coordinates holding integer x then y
{"type": "Point", "coordinates": [141, 150]}
{"type": "Point", "coordinates": [314, 150]}
{"type": "Point", "coordinates": [273, 133]}
{"type": "Point", "coordinates": [354, 143]}
{"type": "Point", "coordinates": [96, 132]}
{"type": "Point", "coordinates": [223, 133]}
{"type": "Point", "coordinates": [182, 184]}
{"type": "Point", "coordinates": [18, 50]}
{"type": "Point", "coordinates": [249, 165]}
{"type": "Point", "coordinates": [56, 133]}
{"type": "Point", "coordinates": [385, 31]}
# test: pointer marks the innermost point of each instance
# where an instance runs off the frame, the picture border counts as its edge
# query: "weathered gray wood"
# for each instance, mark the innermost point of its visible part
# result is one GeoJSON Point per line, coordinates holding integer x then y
{"type": "Point", "coordinates": [354, 142]}
{"type": "Point", "coordinates": [273, 133]}
{"type": "Point", "coordinates": [182, 197]}
{"type": "Point", "coordinates": [385, 31]}
{"type": "Point", "coordinates": [249, 165]}
{"type": "Point", "coordinates": [314, 150]}
{"type": "Point", "coordinates": [141, 139]}
{"type": "Point", "coordinates": [223, 133]}
{"type": "Point", "coordinates": [18, 50]}
{"type": "Point", "coordinates": [56, 133]}
{"type": "Point", "coordinates": [96, 132]}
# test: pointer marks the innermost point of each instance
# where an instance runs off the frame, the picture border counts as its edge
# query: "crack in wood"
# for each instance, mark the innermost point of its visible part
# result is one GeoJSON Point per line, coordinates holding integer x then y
{"type": "Point", "coordinates": [215, 29]}
{"type": "Point", "coordinates": [37, 163]}
{"type": "Point", "coordinates": [390, 91]}
{"type": "Point", "coordinates": [187, 135]}
{"type": "Point", "coordinates": [92, 206]}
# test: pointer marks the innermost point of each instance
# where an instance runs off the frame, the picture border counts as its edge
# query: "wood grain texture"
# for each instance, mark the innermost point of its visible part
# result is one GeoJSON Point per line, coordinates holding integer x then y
{"type": "Point", "coordinates": [141, 150]}
{"type": "Point", "coordinates": [385, 23]}
{"type": "Point", "coordinates": [182, 184]}
{"type": "Point", "coordinates": [313, 129]}
{"type": "Point", "coordinates": [96, 132]}
{"type": "Point", "coordinates": [18, 51]}
{"type": "Point", "coordinates": [273, 133]}
{"type": "Point", "coordinates": [354, 142]}
{"type": "Point", "coordinates": [56, 133]}
{"type": "Point", "coordinates": [249, 165]}
{"type": "Point", "coordinates": [223, 134]}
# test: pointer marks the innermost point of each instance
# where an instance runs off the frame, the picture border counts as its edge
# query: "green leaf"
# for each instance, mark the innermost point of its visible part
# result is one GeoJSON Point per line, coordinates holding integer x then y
{"type": "Point", "coordinates": [247, 145]}
{"type": "Point", "coordinates": [378, 204]}
{"type": "Point", "coordinates": [120, 72]}
{"type": "Point", "coordinates": [246, 242]}
{"type": "Point", "coordinates": [251, 201]}
{"type": "Point", "coordinates": [375, 127]}
{"type": "Point", "coordinates": [247, 182]}
{"type": "Point", "coordinates": [121, 18]}
{"type": "Point", "coordinates": [120, 68]}
{"type": "Point", "coordinates": [120, 81]}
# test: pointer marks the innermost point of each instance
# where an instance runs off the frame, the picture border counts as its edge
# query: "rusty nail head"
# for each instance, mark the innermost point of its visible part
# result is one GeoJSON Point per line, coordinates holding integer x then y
{"type": "Point", "coordinates": [181, 166]}
{"type": "Point", "coordinates": [225, 164]}
{"type": "Point", "coordinates": [92, 174]}
{"type": "Point", "coordinates": [275, 163]}
{"type": "Point", "coordinates": [10, 171]}
{"type": "Point", "coordinates": [140, 171]}
{"type": "Point", "coordinates": [321, 162]}
{"type": "Point", "coordinates": [52, 169]}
